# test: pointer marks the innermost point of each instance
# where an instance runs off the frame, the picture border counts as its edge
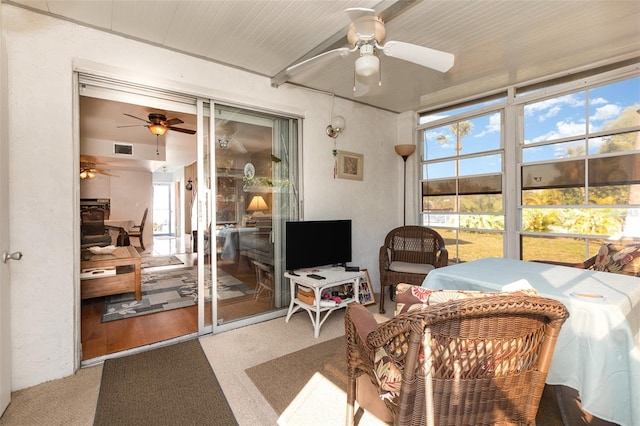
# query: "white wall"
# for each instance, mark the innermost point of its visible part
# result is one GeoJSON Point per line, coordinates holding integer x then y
{"type": "Point", "coordinates": [44, 160]}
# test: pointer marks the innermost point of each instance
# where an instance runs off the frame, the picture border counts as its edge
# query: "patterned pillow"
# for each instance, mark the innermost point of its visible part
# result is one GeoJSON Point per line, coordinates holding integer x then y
{"type": "Point", "coordinates": [410, 297]}
{"type": "Point", "coordinates": [618, 258]}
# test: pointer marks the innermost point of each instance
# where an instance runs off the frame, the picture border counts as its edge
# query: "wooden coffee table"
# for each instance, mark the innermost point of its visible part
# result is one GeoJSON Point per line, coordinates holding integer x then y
{"type": "Point", "coordinates": [125, 260]}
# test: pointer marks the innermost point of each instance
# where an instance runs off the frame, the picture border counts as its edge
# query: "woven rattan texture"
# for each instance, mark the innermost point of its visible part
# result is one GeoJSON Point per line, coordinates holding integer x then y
{"type": "Point", "coordinates": [411, 244]}
{"type": "Point", "coordinates": [477, 361]}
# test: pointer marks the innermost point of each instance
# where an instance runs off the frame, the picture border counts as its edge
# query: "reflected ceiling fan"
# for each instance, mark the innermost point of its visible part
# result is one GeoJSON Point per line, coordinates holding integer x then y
{"type": "Point", "coordinates": [158, 124]}
{"type": "Point", "coordinates": [89, 171]}
{"type": "Point", "coordinates": [366, 36]}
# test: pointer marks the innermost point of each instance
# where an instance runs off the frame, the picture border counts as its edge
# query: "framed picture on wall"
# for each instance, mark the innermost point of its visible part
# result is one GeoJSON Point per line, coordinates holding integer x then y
{"type": "Point", "coordinates": [365, 293]}
{"type": "Point", "coordinates": [350, 165]}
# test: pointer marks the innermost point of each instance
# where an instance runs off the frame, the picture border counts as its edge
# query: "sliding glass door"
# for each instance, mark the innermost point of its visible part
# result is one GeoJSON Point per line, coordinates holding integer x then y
{"type": "Point", "coordinates": [218, 188]}
{"type": "Point", "coordinates": [249, 170]}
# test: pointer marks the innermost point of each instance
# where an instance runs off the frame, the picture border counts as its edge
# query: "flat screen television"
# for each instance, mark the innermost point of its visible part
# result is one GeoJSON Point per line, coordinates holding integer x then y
{"type": "Point", "coordinates": [317, 243]}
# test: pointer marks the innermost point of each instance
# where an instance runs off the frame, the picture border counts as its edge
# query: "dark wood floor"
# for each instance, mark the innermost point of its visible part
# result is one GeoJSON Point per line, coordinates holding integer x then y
{"type": "Point", "coordinates": [100, 338]}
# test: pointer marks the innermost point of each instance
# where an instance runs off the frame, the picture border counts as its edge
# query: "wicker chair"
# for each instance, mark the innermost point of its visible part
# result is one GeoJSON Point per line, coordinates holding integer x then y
{"type": "Point", "coordinates": [609, 259]}
{"type": "Point", "coordinates": [486, 363]}
{"type": "Point", "coordinates": [407, 256]}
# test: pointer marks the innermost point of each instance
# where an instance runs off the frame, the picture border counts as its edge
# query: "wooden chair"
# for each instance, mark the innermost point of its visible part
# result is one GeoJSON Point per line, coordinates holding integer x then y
{"type": "Point", "coordinates": [137, 231]}
{"type": "Point", "coordinates": [407, 256]}
{"type": "Point", "coordinates": [93, 231]}
{"type": "Point", "coordinates": [483, 361]}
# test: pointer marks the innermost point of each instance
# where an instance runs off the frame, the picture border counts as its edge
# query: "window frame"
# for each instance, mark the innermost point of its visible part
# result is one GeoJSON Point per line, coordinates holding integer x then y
{"type": "Point", "coordinates": [513, 143]}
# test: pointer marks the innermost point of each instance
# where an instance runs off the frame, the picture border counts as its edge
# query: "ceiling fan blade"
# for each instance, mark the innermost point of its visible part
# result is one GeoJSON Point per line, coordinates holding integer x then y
{"type": "Point", "coordinates": [364, 25]}
{"type": "Point", "coordinates": [174, 121]}
{"type": "Point", "coordinates": [314, 61]}
{"type": "Point", "coordinates": [103, 172]}
{"type": "Point", "coordinates": [137, 118]}
{"type": "Point", "coordinates": [423, 56]}
{"type": "Point", "coordinates": [364, 86]}
{"type": "Point", "coordinates": [133, 125]}
{"type": "Point", "coordinates": [181, 130]}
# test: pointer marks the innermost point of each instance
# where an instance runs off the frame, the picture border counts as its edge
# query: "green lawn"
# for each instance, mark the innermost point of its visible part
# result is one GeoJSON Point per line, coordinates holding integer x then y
{"type": "Point", "coordinates": [478, 245]}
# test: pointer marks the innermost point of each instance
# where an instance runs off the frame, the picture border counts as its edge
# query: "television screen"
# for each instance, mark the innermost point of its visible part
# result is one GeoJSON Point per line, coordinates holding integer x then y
{"type": "Point", "coordinates": [317, 243]}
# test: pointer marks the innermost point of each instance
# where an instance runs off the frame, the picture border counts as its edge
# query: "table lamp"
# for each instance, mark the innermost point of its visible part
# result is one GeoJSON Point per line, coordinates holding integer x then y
{"type": "Point", "coordinates": [257, 204]}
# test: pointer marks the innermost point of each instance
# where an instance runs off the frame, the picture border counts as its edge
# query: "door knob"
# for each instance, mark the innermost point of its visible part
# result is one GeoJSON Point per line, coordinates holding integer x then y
{"type": "Point", "coordinates": [13, 256]}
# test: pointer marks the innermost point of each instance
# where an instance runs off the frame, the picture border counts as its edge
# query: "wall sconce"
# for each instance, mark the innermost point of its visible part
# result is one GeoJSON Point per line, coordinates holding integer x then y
{"type": "Point", "coordinates": [257, 204]}
{"type": "Point", "coordinates": [189, 185]}
{"type": "Point", "coordinates": [336, 127]}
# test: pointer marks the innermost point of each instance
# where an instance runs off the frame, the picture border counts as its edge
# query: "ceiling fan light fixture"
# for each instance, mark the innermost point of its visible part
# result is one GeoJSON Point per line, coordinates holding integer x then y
{"type": "Point", "coordinates": [87, 174]}
{"type": "Point", "coordinates": [157, 129]}
{"type": "Point", "coordinates": [368, 63]}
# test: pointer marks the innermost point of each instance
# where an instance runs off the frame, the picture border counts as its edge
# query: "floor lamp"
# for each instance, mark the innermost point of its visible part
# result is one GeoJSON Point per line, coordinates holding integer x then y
{"type": "Point", "coordinates": [405, 152]}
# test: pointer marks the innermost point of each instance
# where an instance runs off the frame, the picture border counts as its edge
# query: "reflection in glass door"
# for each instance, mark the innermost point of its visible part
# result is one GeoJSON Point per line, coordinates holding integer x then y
{"type": "Point", "coordinates": [248, 172]}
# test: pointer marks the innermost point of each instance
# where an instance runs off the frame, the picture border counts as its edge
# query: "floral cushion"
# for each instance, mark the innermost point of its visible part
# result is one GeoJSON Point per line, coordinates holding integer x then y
{"type": "Point", "coordinates": [618, 258]}
{"type": "Point", "coordinates": [410, 297]}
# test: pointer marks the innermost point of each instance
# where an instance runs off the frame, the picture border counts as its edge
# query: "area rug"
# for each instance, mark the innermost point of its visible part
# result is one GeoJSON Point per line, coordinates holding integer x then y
{"type": "Point", "coordinates": [282, 380]}
{"type": "Point", "coordinates": [174, 385]}
{"type": "Point", "coordinates": [154, 262]}
{"type": "Point", "coordinates": [170, 289]}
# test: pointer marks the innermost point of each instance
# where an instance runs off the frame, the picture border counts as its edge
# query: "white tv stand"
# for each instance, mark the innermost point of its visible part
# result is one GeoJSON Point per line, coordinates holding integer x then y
{"type": "Point", "coordinates": [334, 276]}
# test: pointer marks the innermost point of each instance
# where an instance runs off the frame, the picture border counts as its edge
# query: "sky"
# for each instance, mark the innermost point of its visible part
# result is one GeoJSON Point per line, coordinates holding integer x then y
{"type": "Point", "coordinates": [560, 117]}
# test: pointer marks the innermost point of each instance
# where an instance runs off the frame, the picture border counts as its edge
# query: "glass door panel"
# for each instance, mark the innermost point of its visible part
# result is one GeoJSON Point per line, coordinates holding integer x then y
{"type": "Point", "coordinates": [251, 175]}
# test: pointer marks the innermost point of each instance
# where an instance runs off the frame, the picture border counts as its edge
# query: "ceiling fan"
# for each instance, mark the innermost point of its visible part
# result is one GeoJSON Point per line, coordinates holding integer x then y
{"type": "Point", "coordinates": [158, 124]}
{"type": "Point", "coordinates": [89, 171]}
{"type": "Point", "coordinates": [366, 36]}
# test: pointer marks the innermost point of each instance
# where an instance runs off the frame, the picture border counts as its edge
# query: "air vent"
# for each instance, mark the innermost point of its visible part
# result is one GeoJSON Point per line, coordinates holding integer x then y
{"type": "Point", "coordinates": [122, 149]}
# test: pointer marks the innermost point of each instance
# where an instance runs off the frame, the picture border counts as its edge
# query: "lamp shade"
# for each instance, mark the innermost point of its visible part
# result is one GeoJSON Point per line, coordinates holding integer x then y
{"type": "Point", "coordinates": [405, 150]}
{"type": "Point", "coordinates": [338, 122]}
{"type": "Point", "coordinates": [157, 129]}
{"type": "Point", "coordinates": [257, 203]}
{"type": "Point", "coordinates": [367, 65]}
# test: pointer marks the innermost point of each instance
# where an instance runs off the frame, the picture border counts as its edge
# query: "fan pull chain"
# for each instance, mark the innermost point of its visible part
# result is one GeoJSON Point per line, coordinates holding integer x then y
{"type": "Point", "coordinates": [157, 151]}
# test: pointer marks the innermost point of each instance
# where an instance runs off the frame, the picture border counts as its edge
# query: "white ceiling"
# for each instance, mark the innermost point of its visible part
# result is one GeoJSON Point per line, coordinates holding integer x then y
{"type": "Point", "coordinates": [497, 44]}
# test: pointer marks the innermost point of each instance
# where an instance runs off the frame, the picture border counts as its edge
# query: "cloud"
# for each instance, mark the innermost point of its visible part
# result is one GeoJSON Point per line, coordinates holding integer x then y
{"type": "Point", "coordinates": [598, 101]}
{"type": "Point", "coordinates": [494, 125]}
{"type": "Point", "coordinates": [551, 107]}
{"type": "Point", "coordinates": [606, 112]}
{"type": "Point", "coordinates": [564, 129]}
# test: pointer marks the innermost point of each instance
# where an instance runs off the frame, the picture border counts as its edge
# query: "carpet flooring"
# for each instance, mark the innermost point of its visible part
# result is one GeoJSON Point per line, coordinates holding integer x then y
{"type": "Point", "coordinates": [170, 289]}
{"type": "Point", "coordinates": [282, 380]}
{"type": "Point", "coordinates": [168, 386]}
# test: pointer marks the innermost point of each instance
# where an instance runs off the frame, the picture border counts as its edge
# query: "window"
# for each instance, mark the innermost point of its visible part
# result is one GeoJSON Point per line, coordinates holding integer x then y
{"type": "Point", "coordinates": [462, 183]}
{"type": "Point", "coordinates": [580, 172]}
{"type": "Point", "coordinates": [572, 165]}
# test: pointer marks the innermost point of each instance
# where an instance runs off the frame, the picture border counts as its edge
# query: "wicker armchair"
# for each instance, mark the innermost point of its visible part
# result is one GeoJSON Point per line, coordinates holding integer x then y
{"type": "Point", "coordinates": [486, 363]}
{"type": "Point", "coordinates": [616, 257]}
{"type": "Point", "coordinates": [407, 256]}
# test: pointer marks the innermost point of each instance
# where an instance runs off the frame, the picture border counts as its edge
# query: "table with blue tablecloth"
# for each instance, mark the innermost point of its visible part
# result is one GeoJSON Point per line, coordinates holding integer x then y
{"type": "Point", "coordinates": [598, 349]}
